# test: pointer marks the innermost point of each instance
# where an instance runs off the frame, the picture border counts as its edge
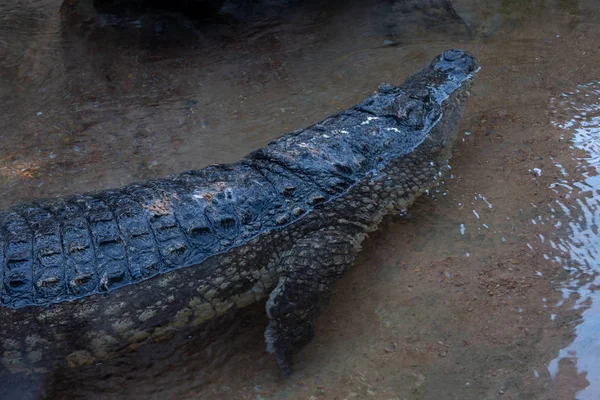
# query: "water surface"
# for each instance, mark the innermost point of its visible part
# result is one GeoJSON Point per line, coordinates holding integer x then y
{"type": "Point", "coordinates": [486, 288]}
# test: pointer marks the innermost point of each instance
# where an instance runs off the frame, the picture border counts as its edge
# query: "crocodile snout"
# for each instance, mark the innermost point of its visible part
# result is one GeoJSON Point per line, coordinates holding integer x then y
{"type": "Point", "coordinates": [459, 61]}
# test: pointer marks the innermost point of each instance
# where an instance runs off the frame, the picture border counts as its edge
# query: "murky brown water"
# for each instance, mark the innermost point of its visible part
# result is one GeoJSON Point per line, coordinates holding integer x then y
{"type": "Point", "coordinates": [485, 290]}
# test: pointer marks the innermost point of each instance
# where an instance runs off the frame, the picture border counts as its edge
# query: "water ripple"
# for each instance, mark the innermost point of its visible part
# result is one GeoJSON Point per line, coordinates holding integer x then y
{"type": "Point", "coordinates": [578, 112]}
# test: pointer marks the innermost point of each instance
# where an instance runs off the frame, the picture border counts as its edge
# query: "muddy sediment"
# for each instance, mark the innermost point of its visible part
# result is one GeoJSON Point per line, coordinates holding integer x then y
{"type": "Point", "coordinates": [463, 297]}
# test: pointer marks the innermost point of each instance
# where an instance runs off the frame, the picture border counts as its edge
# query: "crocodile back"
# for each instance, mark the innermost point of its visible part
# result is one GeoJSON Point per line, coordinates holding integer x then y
{"type": "Point", "coordinates": [62, 249]}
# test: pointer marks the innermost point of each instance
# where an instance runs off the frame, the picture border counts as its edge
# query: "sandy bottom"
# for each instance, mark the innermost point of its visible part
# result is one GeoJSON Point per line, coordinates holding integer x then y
{"type": "Point", "coordinates": [485, 289]}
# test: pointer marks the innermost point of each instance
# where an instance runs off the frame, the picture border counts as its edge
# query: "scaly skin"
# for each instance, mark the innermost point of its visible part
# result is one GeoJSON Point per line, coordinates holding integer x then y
{"type": "Point", "coordinates": [89, 277]}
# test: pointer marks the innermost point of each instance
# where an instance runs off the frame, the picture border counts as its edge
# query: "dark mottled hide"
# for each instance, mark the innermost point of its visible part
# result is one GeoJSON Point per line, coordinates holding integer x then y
{"type": "Point", "coordinates": [87, 277]}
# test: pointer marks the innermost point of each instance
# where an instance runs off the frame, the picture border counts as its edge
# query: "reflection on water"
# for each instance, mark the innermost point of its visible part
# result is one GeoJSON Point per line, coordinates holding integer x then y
{"type": "Point", "coordinates": [582, 247]}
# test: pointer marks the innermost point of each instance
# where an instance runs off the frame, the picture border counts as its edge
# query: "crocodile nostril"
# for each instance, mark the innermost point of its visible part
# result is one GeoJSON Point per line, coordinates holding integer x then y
{"type": "Point", "coordinates": [452, 54]}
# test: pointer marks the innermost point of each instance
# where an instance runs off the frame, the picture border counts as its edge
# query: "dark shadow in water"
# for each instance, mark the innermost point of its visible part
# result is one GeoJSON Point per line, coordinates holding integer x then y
{"type": "Point", "coordinates": [417, 18]}
{"type": "Point", "coordinates": [167, 24]}
{"type": "Point", "coordinates": [18, 387]}
{"type": "Point", "coordinates": [176, 24]}
{"type": "Point", "coordinates": [135, 8]}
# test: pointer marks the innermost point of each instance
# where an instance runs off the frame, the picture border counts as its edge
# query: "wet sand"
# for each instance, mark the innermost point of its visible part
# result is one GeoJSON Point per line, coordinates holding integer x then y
{"type": "Point", "coordinates": [483, 290]}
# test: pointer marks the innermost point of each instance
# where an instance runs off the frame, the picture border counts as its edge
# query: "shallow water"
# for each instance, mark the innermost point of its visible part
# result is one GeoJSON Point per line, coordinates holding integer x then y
{"type": "Point", "coordinates": [581, 247]}
{"type": "Point", "coordinates": [485, 289]}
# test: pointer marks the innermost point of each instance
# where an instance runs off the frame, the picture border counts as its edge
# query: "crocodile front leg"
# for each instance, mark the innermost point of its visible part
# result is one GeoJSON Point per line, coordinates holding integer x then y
{"type": "Point", "coordinates": [308, 272]}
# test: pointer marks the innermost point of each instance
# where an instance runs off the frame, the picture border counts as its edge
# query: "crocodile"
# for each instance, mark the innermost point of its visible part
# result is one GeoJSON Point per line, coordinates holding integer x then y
{"type": "Point", "coordinates": [86, 278]}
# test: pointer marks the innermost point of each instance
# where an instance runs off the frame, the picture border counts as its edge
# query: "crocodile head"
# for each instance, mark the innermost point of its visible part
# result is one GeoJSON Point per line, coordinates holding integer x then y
{"type": "Point", "coordinates": [438, 91]}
